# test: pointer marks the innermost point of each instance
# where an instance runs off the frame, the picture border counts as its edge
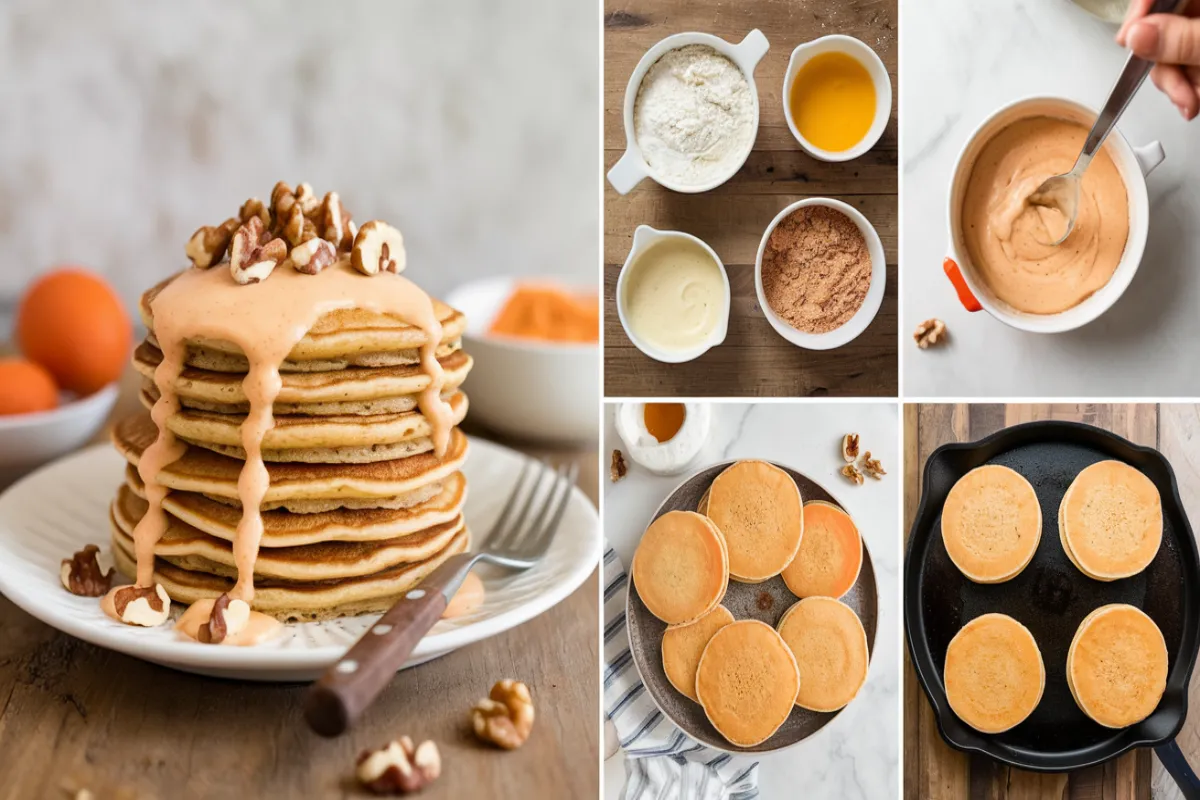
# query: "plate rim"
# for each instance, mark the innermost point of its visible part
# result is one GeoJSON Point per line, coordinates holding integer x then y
{"type": "Point", "coordinates": [181, 654]}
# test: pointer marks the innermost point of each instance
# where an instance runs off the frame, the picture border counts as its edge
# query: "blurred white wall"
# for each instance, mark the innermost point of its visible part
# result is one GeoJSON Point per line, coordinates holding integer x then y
{"type": "Point", "coordinates": [470, 124]}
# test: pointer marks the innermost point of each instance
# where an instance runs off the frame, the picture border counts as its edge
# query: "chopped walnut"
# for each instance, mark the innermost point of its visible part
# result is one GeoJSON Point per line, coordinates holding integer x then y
{"type": "Point", "coordinates": [215, 630]}
{"type": "Point", "coordinates": [505, 718]}
{"type": "Point", "coordinates": [930, 333]}
{"type": "Point", "coordinates": [335, 223]}
{"type": "Point", "coordinates": [282, 200]}
{"type": "Point", "coordinates": [850, 447]}
{"type": "Point", "coordinates": [313, 256]}
{"type": "Point", "coordinates": [147, 606]}
{"type": "Point", "coordinates": [306, 199]}
{"type": "Point", "coordinates": [618, 468]}
{"type": "Point", "coordinates": [295, 226]}
{"type": "Point", "coordinates": [872, 467]}
{"type": "Point", "coordinates": [399, 767]}
{"type": "Point", "coordinates": [81, 574]}
{"type": "Point", "coordinates": [208, 244]}
{"type": "Point", "coordinates": [253, 255]}
{"type": "Point", "coordinates": [254, 208]}
{"type": "Point", "coordinates": [378, 247]}
{"type": "Point", "coordinates": [851, 472]}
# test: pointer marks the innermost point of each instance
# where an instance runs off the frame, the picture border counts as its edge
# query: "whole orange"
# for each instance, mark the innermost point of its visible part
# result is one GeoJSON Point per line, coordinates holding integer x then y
{"type": "Point", "coordinates": [73, 324]}
{"type": "Point", "coordinates": [25, 387]}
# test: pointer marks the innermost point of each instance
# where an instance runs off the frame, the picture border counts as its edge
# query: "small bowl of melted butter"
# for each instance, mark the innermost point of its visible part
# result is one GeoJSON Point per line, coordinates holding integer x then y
{"type": "Point", "coordinates": [673, 296]}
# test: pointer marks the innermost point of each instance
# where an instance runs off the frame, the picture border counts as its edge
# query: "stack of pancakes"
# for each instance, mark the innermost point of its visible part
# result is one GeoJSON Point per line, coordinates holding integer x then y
{"type": "Point", "coordinates": [359, 507]}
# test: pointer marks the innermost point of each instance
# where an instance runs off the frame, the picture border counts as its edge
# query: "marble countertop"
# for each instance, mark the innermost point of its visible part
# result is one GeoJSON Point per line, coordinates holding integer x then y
{"type": "Point", "coordinates": [856, 755]}
{"type": "Point", "coordinates": [960, 62]}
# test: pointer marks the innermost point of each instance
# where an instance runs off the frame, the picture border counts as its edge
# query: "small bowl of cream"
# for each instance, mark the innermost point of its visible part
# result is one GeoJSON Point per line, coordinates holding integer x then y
{"type": "Point", "coordinates": [837, 97]}
{"type": "Point", "coordinates": [691, 112]}
{"type": "Point", "coordinates": [672, 295]}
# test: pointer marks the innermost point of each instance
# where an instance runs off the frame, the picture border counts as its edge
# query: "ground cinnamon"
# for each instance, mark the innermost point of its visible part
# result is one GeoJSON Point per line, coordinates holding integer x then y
{"type": "Point", "coordinates": [816, 269]}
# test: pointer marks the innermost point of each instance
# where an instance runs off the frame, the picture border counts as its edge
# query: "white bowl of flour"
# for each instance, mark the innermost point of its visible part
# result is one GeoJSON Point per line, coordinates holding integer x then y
{"type": "Point", "coordinates": [691, 112]}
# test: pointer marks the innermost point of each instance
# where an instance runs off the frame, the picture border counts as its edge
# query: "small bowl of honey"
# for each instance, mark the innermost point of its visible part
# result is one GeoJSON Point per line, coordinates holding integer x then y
{"type": "Point", "coordinates": [837, 97]}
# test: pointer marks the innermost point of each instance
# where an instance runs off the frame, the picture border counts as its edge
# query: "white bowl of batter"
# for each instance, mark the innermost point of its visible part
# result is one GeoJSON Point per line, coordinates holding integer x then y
{"type": "Point", "coordinates": [997, 267]}
{"type": "Point", "coordinates": [712, 146]}
{"type": "Point", "coordinates": [673, 295]}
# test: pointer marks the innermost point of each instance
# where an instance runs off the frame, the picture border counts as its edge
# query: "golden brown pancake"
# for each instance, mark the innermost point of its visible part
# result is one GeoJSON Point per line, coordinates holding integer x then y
{"type": "Point", "coordinates": [349, 336]}
{"type": "Point", "coordinates": [200, 470]}
{"type": "Point", "coordinates": [830, 645]}
{"type": "Point", "coordinates": [680, 568]}
{"type": "Point", "coordinates": [994, 673]}
{"type": "Point", "coordinates": [747, 682]}
{"type": "Point", "coordinates": [991, 524]}
{"type": "Point", "coordinates": [682, 646]}
{"type": "Point", "coordinates": [830, 556]}
{"type": "Point", "coordinates": [1110, 521]}
{"type": "Point", "coordinates": [342, 438]}
{"type": "Point", "coordinates": [355, 390]}
{"type": "Point", "coordinates": [291, 601]}
{"type": "Point", "coordinates": [1117, 665]}
{"type": "Point", "coordinates": [285, 529]}
{"type": "Point", "coordinates": [758, 509]}
{"type": "Point", "coordinates": [188, 548]}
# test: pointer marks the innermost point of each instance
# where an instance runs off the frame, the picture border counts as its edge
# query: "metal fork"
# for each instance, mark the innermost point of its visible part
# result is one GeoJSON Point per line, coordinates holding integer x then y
{"type": "Point", "coordinates": [343, 693]}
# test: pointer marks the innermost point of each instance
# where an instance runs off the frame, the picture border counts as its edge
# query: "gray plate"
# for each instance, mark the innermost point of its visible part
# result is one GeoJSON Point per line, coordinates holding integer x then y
{"type": "Point", "coordinates": [762, 601]}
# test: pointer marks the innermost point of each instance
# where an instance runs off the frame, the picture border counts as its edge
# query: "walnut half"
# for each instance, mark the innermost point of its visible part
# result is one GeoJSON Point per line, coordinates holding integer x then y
{"type": "Point", "coordinates": [81, 574]}
{"type": "Point", "coordinates": [872, 467]}
{"type": "Point", "coordinates": [850, 448]}
{"type": "Point", "coordinates": [851, 472]}
{"type": "Point", "coordinates": [208, 244]}
{"type": "Point", "coordinates": [399, 767]}
{"type": "Point", "coordinates": [251, 259]}
{"type": "Point", "coordinates": [378, 247]}
{"type": "Point", "coordinates": [618, 469]}
{"type": "Point", "coordinates": [505, 717]}
{"type": "Point", "coordinates": [930, 333]}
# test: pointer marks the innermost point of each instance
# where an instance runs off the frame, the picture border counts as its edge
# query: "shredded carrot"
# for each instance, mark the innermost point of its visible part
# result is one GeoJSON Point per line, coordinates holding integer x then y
{"type": "Point", "coordinates": [550, 314]}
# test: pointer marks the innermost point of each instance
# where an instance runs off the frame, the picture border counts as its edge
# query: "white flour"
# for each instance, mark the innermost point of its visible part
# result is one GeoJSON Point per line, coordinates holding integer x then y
{"type": "Point", "coordinates": [694, 116]}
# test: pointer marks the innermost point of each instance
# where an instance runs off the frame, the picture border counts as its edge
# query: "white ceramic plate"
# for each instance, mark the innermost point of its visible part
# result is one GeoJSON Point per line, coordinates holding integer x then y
{"type": "Point", "coordinates": [50, 514]}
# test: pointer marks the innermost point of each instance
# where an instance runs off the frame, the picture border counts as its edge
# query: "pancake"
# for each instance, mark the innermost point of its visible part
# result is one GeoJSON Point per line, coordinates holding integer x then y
{"type": "Point", "coordinates": [681, 567]}
{"type": "Point", "coordinates": [1117, 666]}
{"type": "Point", "coordinates": [200, 470]}
{"type": "Point", "coordinates": [682, 646]}
{"type": "Point", "coordinates": [1110, 521]}
{"type": "Point", "coordinates": [291, 601]}
{"type": "Point", "coordinates": [991, 524]}
{"type": "Point", "coordinates": [341, 338]}
{"type": "Point", "coordinates": [830, 645]}
{"type": "Point", "coordinates": [757, 508]}
{"type": "Point", "coordinates": [327, 440]}
{"type": "Point", "coordinates": [994, 673]}
{"type": "Point", "coordinates": [830, 556]}
{"type": "Point", "coordinates": [285, 529]}
{"type": "Point", "coordinates": [188, 548]}
{"type": "Point", "coordinates": [747, 682]}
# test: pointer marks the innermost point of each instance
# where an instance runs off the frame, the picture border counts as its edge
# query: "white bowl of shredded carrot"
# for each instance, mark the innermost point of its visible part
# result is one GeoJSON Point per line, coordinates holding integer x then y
{"type": "Point", "coordinates": [535, 342]}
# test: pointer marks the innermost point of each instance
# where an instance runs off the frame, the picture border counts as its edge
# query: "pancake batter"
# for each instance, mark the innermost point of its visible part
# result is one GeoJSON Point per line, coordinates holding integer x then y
{"type": "Point", "coordinates": [1004, 233]}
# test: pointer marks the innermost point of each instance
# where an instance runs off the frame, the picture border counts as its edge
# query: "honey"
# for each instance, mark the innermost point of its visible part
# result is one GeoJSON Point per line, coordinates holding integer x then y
{"type": "Point", "coordinates": [663, 420]}
{"type": "Point", "coordinates": [832, 101]}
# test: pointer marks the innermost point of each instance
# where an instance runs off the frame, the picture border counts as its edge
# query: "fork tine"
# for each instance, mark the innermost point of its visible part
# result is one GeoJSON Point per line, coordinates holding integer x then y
{"type": "Point", "coordinates": [507, 538]}
{"type": "Point", "coordinates": [542, 539]}
{"type": "Point", "coordinates": [530, 531]}
{"type": "Point", "coordinates": [498, 525]}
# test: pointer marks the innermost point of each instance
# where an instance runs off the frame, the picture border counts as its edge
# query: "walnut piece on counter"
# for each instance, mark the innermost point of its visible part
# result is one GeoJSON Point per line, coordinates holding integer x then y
{"type": "Point", "coordinates": [81, 574]}
{"type": "Point", "coordinates": [850, 448]}
{"type": "Point", "coordinates": [930, 333]}
{"type": "Point", "coordinates": [505, 717]}
{"type": "Point", "coordinates": [872, 467]}
{"type": "Point", "coordinates": [399, 767]}
{"type": "Point", "coordinates": [851, 472]}
{"type": "Point", "coordinates": [618, 469]}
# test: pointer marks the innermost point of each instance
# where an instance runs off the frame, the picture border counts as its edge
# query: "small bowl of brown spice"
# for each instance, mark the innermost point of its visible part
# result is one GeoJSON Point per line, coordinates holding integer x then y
{"type": "Point", "coordinates": [820, 273]}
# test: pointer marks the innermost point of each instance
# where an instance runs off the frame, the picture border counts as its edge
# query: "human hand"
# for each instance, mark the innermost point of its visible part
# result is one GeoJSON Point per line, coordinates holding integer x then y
{"type": "Point", "coordinates": [1172, 42]}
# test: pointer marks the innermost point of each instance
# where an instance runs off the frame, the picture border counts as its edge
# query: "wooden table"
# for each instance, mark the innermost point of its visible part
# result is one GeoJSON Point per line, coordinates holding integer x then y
{"type": "Point", "coordinates": [933, 771]}
{"type": "Point", "coordinates": [76, 716]}
{"type": "Point", "coordinates": [754, 360]}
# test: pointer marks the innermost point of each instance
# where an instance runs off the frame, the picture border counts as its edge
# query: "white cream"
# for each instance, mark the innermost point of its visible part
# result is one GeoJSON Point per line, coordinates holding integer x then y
{"type": "Point", "coordinates": [672, 456]}
{"type": "Point", "coordinates": [674, 295]}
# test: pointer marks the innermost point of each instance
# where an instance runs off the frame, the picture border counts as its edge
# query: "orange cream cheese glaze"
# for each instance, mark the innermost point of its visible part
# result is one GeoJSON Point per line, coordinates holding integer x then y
{"type": "Point", "coordinates": [266, 320]}
{"type": "Point", "coordinates": [1005, 234]}
{"type": "Point", "coordinates": [468, 598]}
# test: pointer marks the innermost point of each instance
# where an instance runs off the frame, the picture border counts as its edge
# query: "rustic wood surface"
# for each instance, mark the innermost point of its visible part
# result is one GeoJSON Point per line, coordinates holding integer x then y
{"type": "Point", "coordinates": [754, 360]}
{"type": "Point", "coordinates": [75, 716]}
{"type": "Point", "coordinates": [932, 770]}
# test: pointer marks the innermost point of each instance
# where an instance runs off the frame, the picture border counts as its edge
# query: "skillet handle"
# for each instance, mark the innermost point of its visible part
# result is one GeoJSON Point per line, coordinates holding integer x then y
{"type": "Point", "coordinates": [1177, 764]}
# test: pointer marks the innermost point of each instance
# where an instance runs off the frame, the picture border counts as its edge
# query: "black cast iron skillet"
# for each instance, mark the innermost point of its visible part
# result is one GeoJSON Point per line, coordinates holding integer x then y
{"type": "Point", "coordinates": [1051, 597]}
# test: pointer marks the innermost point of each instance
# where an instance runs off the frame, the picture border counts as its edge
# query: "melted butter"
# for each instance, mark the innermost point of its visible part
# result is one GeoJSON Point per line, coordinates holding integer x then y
{"type": "Point", "coordinates": [468, 598]}
{"type": "Point", "coordinates": [266, 320]}
{"type": "Point", "coordinates": [663, 420]}
{"type": "Point", "coordinates": [832, 101]}
{"type": "Point", "coordinates": [674, 295]}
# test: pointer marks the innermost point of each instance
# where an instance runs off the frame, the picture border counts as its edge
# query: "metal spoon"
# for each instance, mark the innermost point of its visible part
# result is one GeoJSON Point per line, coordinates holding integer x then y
{"type": "Point", "coordinates": [1061, 192]}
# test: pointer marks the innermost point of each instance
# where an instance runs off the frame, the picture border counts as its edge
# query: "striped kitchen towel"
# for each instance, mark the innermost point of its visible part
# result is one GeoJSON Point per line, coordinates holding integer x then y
{"type": "Point", "coordinates": [661, 762]}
